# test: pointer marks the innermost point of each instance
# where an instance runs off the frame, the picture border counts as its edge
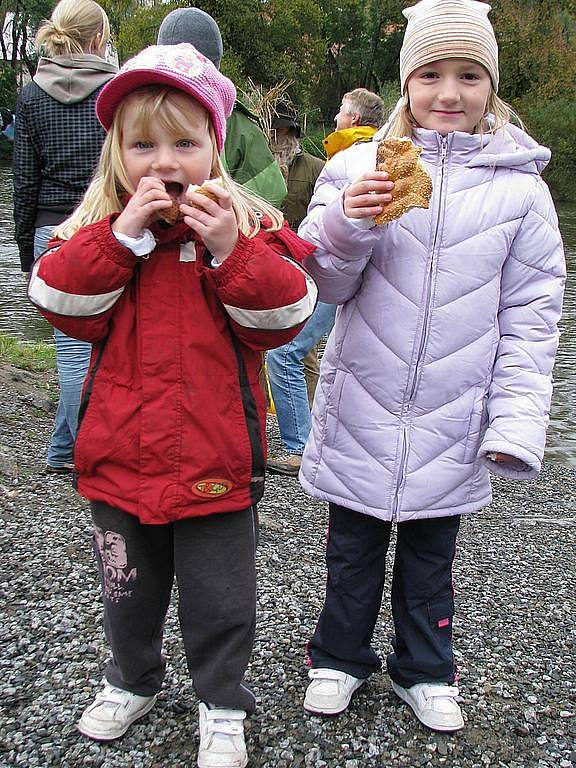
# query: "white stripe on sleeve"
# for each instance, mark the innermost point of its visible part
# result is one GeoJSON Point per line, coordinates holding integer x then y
{"type": "Point", "coordinates": [280, 318]}
{"type": "Point", "coordinates": [68, 304]}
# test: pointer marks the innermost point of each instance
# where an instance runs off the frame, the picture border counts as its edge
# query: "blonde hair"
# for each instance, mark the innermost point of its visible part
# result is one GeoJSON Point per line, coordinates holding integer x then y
{"type": "Point", "coordinates": [498, 114]}
{"type": "Point", "coordinates": [164, 106]}
{"type": "Point", "coordinates": [74, 28]}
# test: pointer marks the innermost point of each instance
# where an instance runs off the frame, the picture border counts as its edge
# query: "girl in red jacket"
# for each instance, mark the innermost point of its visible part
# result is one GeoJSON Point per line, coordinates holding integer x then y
{"type": "Point", "coordinates": [171, 447]}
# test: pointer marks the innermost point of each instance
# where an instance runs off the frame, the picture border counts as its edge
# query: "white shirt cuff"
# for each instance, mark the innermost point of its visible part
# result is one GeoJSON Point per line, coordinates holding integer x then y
{"type": "Point", "coordinates": [141, 245]}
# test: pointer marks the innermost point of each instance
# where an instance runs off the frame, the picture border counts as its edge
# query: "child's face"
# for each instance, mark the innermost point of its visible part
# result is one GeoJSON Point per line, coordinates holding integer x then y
{"type": "Point", "coordinates": [180, 155]}
{"type": "Point", "coordinates": [449, 95]}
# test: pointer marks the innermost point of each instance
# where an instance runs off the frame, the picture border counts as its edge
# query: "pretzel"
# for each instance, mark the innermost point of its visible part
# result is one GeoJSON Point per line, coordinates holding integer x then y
{"type": "Point", "coordinates": [399, 157]}
{"type": "Point", "coordinates": [200, 189]}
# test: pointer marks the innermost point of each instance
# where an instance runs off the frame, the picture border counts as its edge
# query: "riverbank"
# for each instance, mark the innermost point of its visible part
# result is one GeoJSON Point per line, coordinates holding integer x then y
{"type": "Point", "coordinates": [515, 632]}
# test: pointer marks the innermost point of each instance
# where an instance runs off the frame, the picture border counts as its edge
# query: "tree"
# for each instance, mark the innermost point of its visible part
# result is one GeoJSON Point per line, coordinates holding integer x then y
{"type": "Point", "coordinates": [537, 48]}
{"type": "Point", "coordinates": [20, 20]}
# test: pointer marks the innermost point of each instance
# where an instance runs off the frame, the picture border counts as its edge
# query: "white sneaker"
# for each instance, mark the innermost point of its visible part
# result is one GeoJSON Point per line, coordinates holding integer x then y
{"type": "Point", "coordinates": [222, 742]}
{"type": "Point", "coordinates": [434, 704]}
{"type": "Point", "coordinates": [330, 691]}
{"type": "Point", "coordinates": [113, 712]}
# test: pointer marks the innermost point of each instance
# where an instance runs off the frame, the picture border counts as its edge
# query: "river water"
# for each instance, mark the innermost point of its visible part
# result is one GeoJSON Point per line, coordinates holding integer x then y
{"type": "Point", "coordinates": [20, 319]}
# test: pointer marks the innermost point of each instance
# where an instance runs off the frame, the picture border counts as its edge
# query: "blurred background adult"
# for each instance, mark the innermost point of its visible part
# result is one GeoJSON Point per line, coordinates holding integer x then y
{"type": "Point", "coordinates": [57, 143]}
{"type": "Point", "coordinates": [293, 368]}
{"type": "Point", "coordinates": [360, 115]}
{"type": "Point", "coordinates": [299, 168]}
{"type": "Point", "coordinates": [246, 155]}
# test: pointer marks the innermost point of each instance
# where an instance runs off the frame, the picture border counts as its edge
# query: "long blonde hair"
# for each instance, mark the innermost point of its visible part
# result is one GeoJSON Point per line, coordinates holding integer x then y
{"type": "Point", "coordinates": [162, 106]}
{"type": "Point", "coordinates": [498, 114]}
{"type": "Point", "coordinates": [75, 27]}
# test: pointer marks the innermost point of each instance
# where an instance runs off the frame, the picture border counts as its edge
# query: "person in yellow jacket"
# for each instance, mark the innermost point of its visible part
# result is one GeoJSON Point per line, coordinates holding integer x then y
{"type": "Point", "coordinates": [361, 114]}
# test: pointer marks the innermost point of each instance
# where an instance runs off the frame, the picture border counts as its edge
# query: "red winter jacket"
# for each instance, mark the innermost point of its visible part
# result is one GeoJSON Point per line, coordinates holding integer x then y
{"type": "Point", "coordinates": [175, 420]}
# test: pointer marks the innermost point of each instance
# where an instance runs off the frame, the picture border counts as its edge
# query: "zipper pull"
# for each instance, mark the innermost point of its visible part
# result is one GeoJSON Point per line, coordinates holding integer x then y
{"type": "Point", "coordinates": [444, 148]}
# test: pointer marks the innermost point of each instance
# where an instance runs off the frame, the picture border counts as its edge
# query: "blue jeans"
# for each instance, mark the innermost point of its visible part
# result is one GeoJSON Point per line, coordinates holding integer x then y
{"type": "Point", "coordinates": [287, 381]}
{"type": "Point", "coordinates": [72, 359]}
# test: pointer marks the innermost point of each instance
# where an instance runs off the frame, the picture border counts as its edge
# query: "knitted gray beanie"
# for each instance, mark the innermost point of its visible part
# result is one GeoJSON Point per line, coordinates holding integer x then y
{"type": "Point", "coordinates": [191, 25]}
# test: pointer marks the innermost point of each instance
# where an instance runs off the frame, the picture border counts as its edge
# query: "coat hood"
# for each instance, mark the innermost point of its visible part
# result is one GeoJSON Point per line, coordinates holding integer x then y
{"type": "Point", "coordinates": [509, 147]}
{"type": "Point", "coordinates": [71, 79]}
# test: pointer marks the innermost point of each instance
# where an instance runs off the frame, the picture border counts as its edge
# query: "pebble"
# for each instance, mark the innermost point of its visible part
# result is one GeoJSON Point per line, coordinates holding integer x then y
{"type": "Point", "coordinates": [515, 649]}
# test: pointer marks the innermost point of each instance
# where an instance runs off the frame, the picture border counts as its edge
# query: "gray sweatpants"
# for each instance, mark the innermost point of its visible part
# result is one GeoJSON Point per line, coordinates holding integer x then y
{"type": "Point", "coordinates": [212, 559]}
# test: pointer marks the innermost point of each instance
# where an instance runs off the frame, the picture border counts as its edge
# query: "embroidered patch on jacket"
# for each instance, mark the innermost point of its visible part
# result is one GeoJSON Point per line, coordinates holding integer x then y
{"type": "Point", "coordinates": [444, 623]}
{"type": "Point", "coordinates": [212, 487]}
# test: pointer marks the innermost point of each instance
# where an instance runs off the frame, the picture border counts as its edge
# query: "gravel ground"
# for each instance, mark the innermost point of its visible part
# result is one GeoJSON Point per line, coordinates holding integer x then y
{"type": "Point", "coordinates": [515, 634]}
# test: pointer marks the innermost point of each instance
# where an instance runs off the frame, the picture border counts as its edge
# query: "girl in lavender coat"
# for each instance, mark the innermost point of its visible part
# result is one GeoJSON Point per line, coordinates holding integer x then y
{"type": "Point", "coordinates": [438, 370]}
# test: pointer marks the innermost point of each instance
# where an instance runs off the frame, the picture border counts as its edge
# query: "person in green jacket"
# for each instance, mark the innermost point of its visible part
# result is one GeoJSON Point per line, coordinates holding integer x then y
{"type": "Point", "coordinates": [246, 155]}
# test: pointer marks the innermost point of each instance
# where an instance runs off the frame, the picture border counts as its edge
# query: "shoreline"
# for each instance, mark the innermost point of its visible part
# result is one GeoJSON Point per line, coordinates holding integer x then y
{"type": "Point", "coordinates": [515, 634]}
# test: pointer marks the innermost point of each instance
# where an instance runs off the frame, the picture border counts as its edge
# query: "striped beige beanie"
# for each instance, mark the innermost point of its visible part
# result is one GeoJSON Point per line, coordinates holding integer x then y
{"type": "Point", "coordinates": [448, 29]}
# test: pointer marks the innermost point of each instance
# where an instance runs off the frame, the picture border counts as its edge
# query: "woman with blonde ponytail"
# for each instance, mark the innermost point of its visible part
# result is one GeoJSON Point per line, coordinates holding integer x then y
{"type": "Point", "coordinates": [56, 147]}
{"type": "Point", "coordinates": [76, 27]}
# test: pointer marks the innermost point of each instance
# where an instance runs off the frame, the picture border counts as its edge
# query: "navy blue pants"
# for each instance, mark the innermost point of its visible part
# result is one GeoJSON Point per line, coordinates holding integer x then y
{"type": "Point", "coordinates": [422, 597]}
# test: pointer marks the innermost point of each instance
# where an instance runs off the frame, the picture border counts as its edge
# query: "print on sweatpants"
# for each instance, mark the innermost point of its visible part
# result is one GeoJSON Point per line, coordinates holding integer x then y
{"type": "Point", "coordinates": [114, 558]}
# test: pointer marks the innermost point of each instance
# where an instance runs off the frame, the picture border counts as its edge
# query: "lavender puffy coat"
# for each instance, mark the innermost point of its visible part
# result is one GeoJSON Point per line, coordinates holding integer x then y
{"type": "Point", "coordinates": [444, 344]}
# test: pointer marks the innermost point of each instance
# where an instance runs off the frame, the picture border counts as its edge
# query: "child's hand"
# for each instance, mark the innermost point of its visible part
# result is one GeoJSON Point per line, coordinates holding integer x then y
{"type": "Point", "coordinates": [502, 458]}
{"type": "Point", "coordinates": [215, 221]}
{"type": "Point", "coordinates": [511, 462]}
{"type": "Point", "coordinates": [364, 198]}
{"type": "Point", "coordinates": [142, 208]}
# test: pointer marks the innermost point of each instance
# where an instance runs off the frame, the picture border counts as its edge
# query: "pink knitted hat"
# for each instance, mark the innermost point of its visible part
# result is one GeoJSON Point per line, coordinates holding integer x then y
{"type": "Point", "coordinates": [179, 66]}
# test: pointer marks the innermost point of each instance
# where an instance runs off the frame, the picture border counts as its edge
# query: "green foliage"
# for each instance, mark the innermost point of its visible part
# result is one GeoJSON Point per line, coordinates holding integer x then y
{"type": "Point", "coordinates": [312, 140]}
{"type": "Point", "coordinates": [8, 89]}
{"type": "Point", "coordinates": [133, 25]}
{"type": "Point", "coordinates": [20, 21]}
{"type": "Point", "coordinates": [327, 47]}
{"type": "Point", "coordinates": [389, 92]}
{"type": "Point", "coordinates": [553, 124]}
{"type": "Point", "coordinates": [537, 48]}
{"type": "Point", "coordinates": [31, 356]}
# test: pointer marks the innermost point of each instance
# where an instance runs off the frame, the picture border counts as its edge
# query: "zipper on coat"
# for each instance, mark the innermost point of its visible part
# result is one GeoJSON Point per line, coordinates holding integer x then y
{"type": "Point", "coordinates": [407, 405]}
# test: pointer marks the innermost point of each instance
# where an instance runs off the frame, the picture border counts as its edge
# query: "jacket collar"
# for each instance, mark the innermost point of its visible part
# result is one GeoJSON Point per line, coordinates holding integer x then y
{"type": "Point", "coordinates": [338, 140]}
{"type": "Point", "coordinates": [509, 147]}
{"type": "Point", "coordinates": [175, 234]}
